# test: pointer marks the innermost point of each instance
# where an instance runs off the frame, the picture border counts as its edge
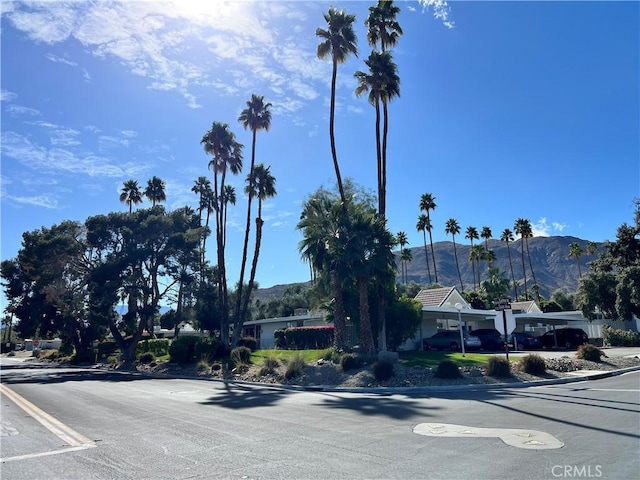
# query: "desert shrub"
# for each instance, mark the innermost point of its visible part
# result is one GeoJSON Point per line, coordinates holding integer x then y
{"type": "Point", "coordinates": [533, 364]}
{"type": "Point", "coordinates": [447, 369]}
{"type": "Point", "coordinates": [241, 356]}
{"type": "Point", "coordinates": [249, 342]}
{"type": "Point", "coordinates": [182, 349]}
{"type": "Point", "coordinates": [66, 349]}
{"type": "Point", "coordinates": [620, 338]}
{"type": "Point", "coordinates": [84, 356]}
{"type": "Point", "coordinates": [383, 370]}
{"type": "Point", "coordinates": [157, 346]}
{"type": "Point", "coordinates": [349, 361]}
{"type": "Point", "coordinates": [589, 352]}
{"type": "Point", "coordinates": [203, 364]}
{"type": "Point", "coordinates": [208, 347]}
{"type": "Point", "coordinates": [295, 367]}
{"type": "Point", "coordinates": [113, 359]}
{"type": "Point", "coordinates": [269, 364]}
{"type": "Point", "coordinates": [498, 367]}
{"type": "Point", "coordinates": [147, 357]}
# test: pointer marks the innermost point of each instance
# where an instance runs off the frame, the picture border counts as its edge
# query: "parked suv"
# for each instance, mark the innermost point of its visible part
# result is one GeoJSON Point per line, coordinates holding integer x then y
{"type": "Point", "coordinates": [490, 338]}
{"type": "Point", "coordinates": [567, 338]}
{"type": "Point", "coordinates": [450, 339]}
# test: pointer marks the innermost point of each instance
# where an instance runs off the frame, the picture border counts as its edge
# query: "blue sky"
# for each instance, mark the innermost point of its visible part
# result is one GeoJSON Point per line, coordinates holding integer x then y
{"type": "Point", "coordinates": [507, 110]}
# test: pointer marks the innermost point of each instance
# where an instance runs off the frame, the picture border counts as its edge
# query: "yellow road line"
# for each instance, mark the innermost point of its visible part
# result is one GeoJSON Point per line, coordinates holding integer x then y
{"type": "Point", "coordinates": [65, 433]}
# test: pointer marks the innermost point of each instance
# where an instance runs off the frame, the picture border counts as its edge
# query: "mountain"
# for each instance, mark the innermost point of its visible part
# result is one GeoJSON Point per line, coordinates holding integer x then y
{"type": "Point", "coordinates": [549, 255]}
{"type": "Point", "coordinates": [552, 266]}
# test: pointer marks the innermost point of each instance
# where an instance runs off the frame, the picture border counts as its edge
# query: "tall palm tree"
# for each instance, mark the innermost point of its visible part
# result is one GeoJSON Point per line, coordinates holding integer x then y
{"type": "Point", "coordinates": [383, 84]}
{"type": "Point", "coordinates": [520, 228]}
{"type": "Point", "coordinates": [527, 233]}
{"type": "Point", "coordinates": [453, 228]}
{"type": "Point", "coordinates": [263, 186]}
{"type": "Point", "coordinates": [406, 257]}
{"type": "Point", "coordinates": [421, 226]}
{"type": "Point", "coordinates": [338, 41]}
{"type": "Point", "coordinates": [200, 186]}
{"type": "Point", "coordinates": [402, 240]}
{"type": "Point", "coordinates": [591, 248]}
{"type": "Point", "coordinates": [472, 234]}
{"type": "Point", "coordinates": [506, 237]}
{"type": "Point", "coordinates": [576, 251]}
{"type": "Point", "coordinates": [255, 117]}
{"type": "Point", "coordinates": [382, 26]}
{"type": "Point", "coordinates": [226, 152]}
{"type": "Point", "coordinates": [131, 194]}
{"type": "Point", "coordinates": [155, 190]}
{"type": "Point", "coordinates": [475, 254]}
{"type": "Point", "coordinates": [486, 234]}
{"type": "Point", "coordinates": [427, 204]}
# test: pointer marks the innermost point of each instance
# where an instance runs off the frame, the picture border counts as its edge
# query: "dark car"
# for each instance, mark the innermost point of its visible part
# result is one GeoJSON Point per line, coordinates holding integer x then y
{"type": "Point", "coordinates": [490, 338]}
{"type": "Point", "coordinates": [450, 339]}
{"type": "Point", "coordinates": [525, 341]}
{"type": "Point", "coordinates": [566, 338]}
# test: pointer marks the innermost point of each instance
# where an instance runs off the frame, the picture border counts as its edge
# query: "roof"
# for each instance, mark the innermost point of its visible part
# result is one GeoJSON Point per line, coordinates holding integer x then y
{"type": "Point", "coordinates": [528, 306]}
{"type": "Point", "coordinates": [434, 297]}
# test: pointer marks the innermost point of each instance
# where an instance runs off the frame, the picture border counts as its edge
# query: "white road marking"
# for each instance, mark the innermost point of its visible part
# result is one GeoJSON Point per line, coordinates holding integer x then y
{"type": "Point", "coordinates": [520, 438]}
{"type": "Point", "coordinates": [72, 438]}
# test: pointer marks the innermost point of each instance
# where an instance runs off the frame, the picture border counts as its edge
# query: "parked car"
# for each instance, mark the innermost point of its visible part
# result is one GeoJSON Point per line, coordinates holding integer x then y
{"type": "Point", "coordinates": [525, 341]}
{"type": "Point", "coordinates": [491, 338]}
{"type": "Point", "coordinates": [567, 338]}
{"type": "Point", "coordinates": [450, 339]}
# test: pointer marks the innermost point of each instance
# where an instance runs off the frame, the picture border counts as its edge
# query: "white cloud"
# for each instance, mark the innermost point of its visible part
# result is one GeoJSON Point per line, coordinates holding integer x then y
{"type": "Point", "coordinates": [36, 201]}
{"type": "Point", "coordinates": [7, 96]}
{"type": "Point", "coordinates": [14, 109]}
{"type": "Point", "coordinates": [542, 228]}
{"type": "Point", "coordinates": [56, 59]}
{"type": "Point", "coordinates": [440, 10]}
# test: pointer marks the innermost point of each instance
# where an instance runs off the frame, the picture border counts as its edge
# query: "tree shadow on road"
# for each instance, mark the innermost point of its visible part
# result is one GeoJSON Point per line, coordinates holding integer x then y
{"type": "Point", "coordinates": [392, 406]}
{"type": "Point", "coordinates": [236, 396]}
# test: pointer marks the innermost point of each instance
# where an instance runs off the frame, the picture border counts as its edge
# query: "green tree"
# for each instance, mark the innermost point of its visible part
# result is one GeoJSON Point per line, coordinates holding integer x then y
{"type": "Point", "coordinates": [421, 226]}
{"type": "Point", "coordinates": [453, 228]}
{"type": "Point", "coordinates": [263, 186]}
{"type": "Point", "coordinates": [406, 257]}
{"type": "Point", "coordinates": [226, 152]}
{"type": "Point", "coordinates": [155, 190]}
{"type": "Point", "coordinates": [521, 227]}
{"type": "Point", "coordinates": [507, 237]}
{"type": "Point", "coordinates": [402, 240]}
{"type": "Point", "coordinates": [472, 234]}
{"type": "Point", "coordinates": [576, 251]}
{"type": "Point", "coordinates": [256, 117]}
{"type": "Point", "coordinates": [338, 42]}
{"type": "Point", "coordinates": [427, 205]}
{"type": "Point", "coordinates": [130, 194]}
{"type": "Point", "coordinates": [476, 252]}
{"type": "Point", "coordinates": [382, 25]}
{"type": "Point", "coordinates": [495, 286]}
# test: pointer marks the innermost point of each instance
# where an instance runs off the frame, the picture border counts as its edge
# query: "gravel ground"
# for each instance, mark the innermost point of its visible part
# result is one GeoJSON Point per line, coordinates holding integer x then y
{"type": "Point", "coordinates": [327, 374]}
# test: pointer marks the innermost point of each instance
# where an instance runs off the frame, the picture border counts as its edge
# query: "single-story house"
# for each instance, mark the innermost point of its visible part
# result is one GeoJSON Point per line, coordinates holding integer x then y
{"type": "Point", "coordinates": [263, 330]}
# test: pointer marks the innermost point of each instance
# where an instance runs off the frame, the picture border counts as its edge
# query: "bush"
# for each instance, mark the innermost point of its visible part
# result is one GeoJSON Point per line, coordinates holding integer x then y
{"type": "Point", "coordinates": [207, 347]}
{"type": "Point", "coordinates": [216, 366]}
{"type": "Point", "coordinates": [447, 369]}
{"type": "Point", "coordinates": [534, 364]}
{"type": "Point", "coordinates": [383, 370]}
{"type": "Point", "coordinates": [147, 357]}
{"type": "Point", "coordinates": [620, 338]}
{"type": "Point", "coordinates": [241, 356]}
{"type": "Point", "coordinates": [203, 365]}
{"type": "Point", "coordinates": [107, 348]}
{"type": "Point", "coordinates": [304, 338]}
{"type": "Point", "coordinates": [498, 367]}
{"type": "Point", "coordinates": [113, 359]}
{"type": "Point", "coordinates": [249, 342]}
{"type": "Point", "coordinates": [295, 367]}
{"type": "Point", "coordinates": [84, 356]}
{"type": "Point", "coordinates": [269, 364]}
{"type": "Point", "coordinates": [158, 346]}
{"type": "Point", "coordinates": [589, 352]}
{"type": "Point", "coordinates": [349, 361]}
{"type": "Point", "coordinates": [182, 350]}
{"type": "Point", "coordinates": [66, 349]}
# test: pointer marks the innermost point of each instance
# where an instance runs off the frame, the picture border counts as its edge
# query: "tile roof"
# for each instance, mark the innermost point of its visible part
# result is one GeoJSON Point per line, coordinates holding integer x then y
{"type": "Point", "coordinates": [527, 306]}
{"type": "Point", "coordinates": [434, 297]}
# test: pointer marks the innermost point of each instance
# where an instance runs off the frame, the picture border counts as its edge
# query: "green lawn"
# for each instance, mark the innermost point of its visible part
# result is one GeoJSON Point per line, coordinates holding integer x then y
{"type": "Point", "coordinates": [432, 358]}
{"type": "Point", "coordinates": [309, 356]}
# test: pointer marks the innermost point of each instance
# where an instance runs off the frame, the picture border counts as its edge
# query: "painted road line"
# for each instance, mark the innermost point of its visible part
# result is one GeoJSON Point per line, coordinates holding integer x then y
{"type": "Point", "coordinates": [66, 434]}
{"type": "Point", "coordinates": [520, 438]}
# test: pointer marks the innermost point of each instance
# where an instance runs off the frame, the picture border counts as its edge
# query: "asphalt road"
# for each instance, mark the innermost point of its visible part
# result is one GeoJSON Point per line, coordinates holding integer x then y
{"type": "Point", "coordinates": [80, 423]}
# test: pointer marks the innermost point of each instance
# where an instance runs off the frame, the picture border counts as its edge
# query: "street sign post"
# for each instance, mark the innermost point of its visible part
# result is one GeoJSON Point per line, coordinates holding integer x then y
{"type": "Point", "coordinates": [505, 327]}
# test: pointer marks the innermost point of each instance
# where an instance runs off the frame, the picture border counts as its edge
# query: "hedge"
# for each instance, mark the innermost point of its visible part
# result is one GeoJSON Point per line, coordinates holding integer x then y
{"type": "Point", "coordinates": [304, 338]}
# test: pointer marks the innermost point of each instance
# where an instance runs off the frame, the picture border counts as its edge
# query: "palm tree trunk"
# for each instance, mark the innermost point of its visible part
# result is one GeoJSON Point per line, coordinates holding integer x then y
{"type": "Point", "coordinates": [382, 325]}
{"type": "Point", "coordinates": [332, 135]}
{"type": "Point", "coordinates": [339, 319]}
{"type": "Point", "coordinates": [532, 272]}
{"type": "Point", "coordinates": [366, 336]}
{"type": "Point", "coordinates": [379, 158]}
{"type": "Point", "coordinates": [433, 254]}
{"type": "Point", "coordinates": [455, 253]}
{"type": "Point", "coordinates": [426, 254]}
{"type": "Point", "coordinates": [524, 271]}
{"type": "Point", "coordinates": [385, 131]}
{"type": "Point", "coordinates": [254, 267]}
{"type": "Point", "coordinates": [513, 277]}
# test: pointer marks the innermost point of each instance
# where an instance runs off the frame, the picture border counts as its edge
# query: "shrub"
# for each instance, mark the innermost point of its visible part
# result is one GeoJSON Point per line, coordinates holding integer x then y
{"type": "Point", "coordinates": [383, 370]}
{"type": "Point", "coordinates": [620, 338]}
{"type": "Point", "coordinates": [349, 361]}
{"type": "Point", "coordinates": [241, 356]}
{"type": "Point", "coordinates": [66, 349]}
{"type": "Point", "coordinates": [107, 348]}
{"type": "Point", "coordinates": [216, 366]}
{"type": "Point", "coordinates": [498, 367]}
{"type": "Point", "coordinates": [113, 359]}
{"type": "Point", "coordinates": [207, 347]}
{"type": "Point", "coordinates": [304, 338]}
{"type": "Point", "coordinates": [295, 367]}
{"type": "Point", "coordinates": [270, 364]}
{"type": "Point", "coordinates": [248, 342]}
{"type": "Point", "coordinates": [182, 349]}
{"type": "Point", "coordinates": [203, 364]}
{"type": "Point", "coordinates": [447, 369]}
{"type": "Point", "coordinates": [84, 356]}
{"type": "Point", "coordinates": [589, 352]}
{"type": "Point", "coordinates": [533, 364]}
{"type": "Point", "coordinates": [147, 357]}
{"type": "Point", "coordinates": [157, 346]}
